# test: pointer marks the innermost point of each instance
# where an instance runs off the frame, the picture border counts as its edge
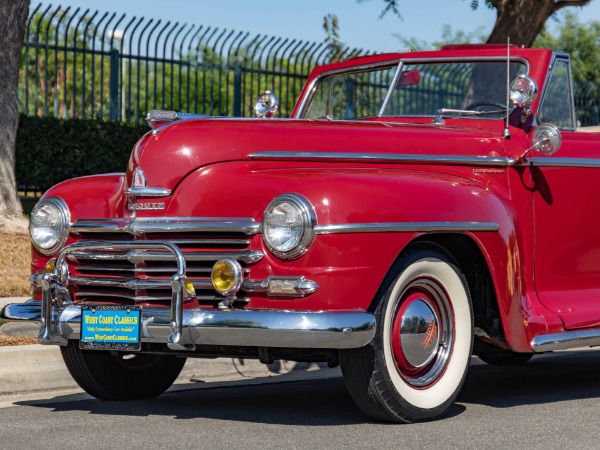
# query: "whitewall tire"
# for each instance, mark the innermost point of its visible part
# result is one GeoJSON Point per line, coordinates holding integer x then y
{"type": "Point", "coordinates": [416, 365]}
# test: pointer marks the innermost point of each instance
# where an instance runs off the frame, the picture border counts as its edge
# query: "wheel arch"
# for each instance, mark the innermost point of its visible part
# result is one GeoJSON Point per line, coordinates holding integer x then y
{"type": "Point", "coordinates": [470, 259]}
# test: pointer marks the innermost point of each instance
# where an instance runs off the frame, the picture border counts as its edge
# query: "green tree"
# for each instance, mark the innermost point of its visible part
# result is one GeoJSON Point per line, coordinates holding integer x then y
{"type": "Point", "coordinates": [521, 20]}
{"type": "Point", "coordinates": [580, 40]}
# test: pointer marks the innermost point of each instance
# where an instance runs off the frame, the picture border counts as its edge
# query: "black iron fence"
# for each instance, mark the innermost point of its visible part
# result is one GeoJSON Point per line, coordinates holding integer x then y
{"type": "Point", "coordinates": [86, 64]}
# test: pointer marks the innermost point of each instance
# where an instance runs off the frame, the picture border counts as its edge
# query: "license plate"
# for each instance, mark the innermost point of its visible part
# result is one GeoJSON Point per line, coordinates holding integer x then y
{"type": "Point", "coordinates": [110, 327]}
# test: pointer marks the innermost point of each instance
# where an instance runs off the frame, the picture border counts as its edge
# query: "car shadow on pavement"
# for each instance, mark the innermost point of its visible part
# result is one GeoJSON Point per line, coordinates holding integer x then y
{"type": "Point", "coordinates": [544, 379]}
{"type": "Point", "coordinates": [325, 402]}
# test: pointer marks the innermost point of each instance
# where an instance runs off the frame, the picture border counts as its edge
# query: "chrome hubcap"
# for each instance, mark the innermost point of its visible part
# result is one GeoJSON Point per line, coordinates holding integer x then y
{"type": "Point", "coordinates": [419, 333]}
{"type": "Point", "coordinates": [422, 332]}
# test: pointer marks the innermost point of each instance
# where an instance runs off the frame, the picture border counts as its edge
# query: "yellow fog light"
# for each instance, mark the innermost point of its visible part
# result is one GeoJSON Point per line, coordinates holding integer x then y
{"type": "Point", "coordinates": [226, 276]}
{"type": "Point", "coordinates": [49, 268]}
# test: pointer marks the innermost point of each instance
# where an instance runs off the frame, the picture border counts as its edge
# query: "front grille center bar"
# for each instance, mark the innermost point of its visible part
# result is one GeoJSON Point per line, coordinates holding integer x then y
{"type": "Point", "coordinates": [55, 294]}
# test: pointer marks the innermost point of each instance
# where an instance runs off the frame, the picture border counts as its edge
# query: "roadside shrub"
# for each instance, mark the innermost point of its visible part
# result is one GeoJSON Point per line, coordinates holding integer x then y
{"type": "Point", "coordinates": [51, 150]}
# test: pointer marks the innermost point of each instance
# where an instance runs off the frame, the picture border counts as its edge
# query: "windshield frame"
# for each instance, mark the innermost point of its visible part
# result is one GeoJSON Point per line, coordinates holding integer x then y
{"type": "Point", "coordinates": [399, 63]}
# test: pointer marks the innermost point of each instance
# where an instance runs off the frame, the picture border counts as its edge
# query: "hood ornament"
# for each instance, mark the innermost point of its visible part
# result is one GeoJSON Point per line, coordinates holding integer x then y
{"type": "Point", "coordinates": [138, 186]}
{"type": "Point", "coordinates": [139, 189]}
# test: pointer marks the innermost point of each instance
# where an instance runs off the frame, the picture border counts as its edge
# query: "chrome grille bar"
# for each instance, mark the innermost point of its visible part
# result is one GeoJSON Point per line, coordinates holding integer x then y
{"type": "Point", "coordinates": [143, 225]}
{"type": "Point", "coordinates": [154, 298]}
{"type": "Point", "coordinates": [134, 283]}
{"type": "Point", "coordinates": [249, 256]}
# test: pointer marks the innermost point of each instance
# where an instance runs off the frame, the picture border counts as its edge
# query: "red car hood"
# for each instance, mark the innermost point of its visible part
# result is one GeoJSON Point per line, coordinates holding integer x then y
{"type": "Point", "coordinates": [167, 156]}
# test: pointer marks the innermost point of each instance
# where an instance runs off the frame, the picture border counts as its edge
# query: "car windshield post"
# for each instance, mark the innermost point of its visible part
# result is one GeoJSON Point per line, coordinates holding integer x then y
{"type": "Point", "coordinates": [392, 87]}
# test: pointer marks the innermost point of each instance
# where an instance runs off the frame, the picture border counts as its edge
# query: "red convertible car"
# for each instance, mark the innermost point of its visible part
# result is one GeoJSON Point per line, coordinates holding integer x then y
{"type": "Point", "coordinates": [416, 208]}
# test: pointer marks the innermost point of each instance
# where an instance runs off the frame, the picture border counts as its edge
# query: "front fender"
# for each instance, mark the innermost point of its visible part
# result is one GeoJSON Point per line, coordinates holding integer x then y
{"type": "Point", "coordinates": [350, 267]}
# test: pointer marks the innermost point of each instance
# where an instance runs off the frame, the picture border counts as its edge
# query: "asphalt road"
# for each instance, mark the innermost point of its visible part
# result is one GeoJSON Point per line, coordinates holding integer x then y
{"type": "Point", "coordinates": [551, 402]}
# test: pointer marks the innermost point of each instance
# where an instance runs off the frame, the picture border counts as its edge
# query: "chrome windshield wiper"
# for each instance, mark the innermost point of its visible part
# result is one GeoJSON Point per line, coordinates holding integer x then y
{"type": "Point", "coordinates": [439, 115]}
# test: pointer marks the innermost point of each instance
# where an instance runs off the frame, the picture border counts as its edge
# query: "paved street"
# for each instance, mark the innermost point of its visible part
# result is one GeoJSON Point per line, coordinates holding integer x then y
{"type": "Point", "coordinates": [552, 402]}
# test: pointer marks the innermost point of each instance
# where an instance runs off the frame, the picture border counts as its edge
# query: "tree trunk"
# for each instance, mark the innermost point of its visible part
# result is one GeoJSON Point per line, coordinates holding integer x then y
{"type": "Point", "coordinates": [13, 16]}
{"type": "Point", "coordinates": [522, 20]}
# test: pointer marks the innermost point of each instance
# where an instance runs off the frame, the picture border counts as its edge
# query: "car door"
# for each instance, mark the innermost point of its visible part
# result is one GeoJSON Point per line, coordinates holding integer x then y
{"type": "Point", "coordinates": [566, 210]}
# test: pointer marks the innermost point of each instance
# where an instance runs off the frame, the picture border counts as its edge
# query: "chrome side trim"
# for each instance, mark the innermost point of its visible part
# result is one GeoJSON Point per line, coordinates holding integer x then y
{"type": "Point", "coordinates": [141, 225]}
{"type": "Point", "coordinates": [566, 162]}
{"type": "Point", "coordinates": [261, 328]}
{"type": "Point", "coordinates": [148, 192]}
{"type": "Point", "coordinates": [566, 340]}
{"type": "Point", "coordinates": [403, 227]}
{"type": "Point", "coordinates": [494, 161]}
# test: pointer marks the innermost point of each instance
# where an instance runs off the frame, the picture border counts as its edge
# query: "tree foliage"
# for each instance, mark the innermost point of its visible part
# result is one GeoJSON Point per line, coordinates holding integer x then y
{"type": "Point", "coordinates": [580, 40]}
{"type": "Point", "coordinates": [519, 20]}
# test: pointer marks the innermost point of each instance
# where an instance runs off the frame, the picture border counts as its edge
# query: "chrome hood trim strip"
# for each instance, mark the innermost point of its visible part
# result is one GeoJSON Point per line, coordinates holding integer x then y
{"type": "Point", "coordinates": [142, 225]}
{"type": "Point", "coordinates": [494, 161]}
{"type": "Point", "coordinates": [403, 227]}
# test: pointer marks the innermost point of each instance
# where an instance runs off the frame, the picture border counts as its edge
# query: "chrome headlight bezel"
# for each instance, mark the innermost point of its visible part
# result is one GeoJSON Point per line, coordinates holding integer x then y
{"type": "Point", "coordinates": [64, 221]}
{"type": "Point", "coordinates": [306, 237]}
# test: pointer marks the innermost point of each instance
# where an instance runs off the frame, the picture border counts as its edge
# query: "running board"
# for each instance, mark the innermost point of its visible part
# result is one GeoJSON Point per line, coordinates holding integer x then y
{"type": "Point", "coordinates": [566, 340]}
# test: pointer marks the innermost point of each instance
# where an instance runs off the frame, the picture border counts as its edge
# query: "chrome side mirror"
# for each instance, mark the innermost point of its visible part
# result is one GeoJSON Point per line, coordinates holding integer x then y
{"type": "Point", "coordinates": [523, 91]}
{"type": "Point", "coordinates": [266, 105]}
{"type": "Point", "coordinates": [547, 139]}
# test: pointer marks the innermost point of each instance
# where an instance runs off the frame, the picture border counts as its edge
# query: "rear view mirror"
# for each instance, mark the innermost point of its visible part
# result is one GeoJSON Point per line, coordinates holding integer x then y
{"type": "Point", "coordinates": [409, 78]}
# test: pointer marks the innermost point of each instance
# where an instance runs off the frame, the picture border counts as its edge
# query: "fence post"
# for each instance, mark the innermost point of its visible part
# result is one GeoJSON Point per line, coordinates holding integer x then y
{"type": "Point", "coordinates": [113, 94]}
{"type": "Point", "coordinates": [237, 91]}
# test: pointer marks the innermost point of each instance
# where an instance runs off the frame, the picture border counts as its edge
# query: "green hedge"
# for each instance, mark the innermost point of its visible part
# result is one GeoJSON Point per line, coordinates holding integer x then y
{"type": "Point", "coordinates": [51, 150]}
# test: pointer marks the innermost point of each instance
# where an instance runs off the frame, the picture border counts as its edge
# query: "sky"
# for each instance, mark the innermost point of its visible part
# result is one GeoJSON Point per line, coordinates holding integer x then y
{"type": "Point", "coordinates": [360, 25]}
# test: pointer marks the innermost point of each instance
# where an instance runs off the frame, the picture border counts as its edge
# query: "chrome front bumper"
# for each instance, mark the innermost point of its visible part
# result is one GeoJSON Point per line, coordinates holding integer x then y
{"type": "Point", "coordinates": [261, 328]}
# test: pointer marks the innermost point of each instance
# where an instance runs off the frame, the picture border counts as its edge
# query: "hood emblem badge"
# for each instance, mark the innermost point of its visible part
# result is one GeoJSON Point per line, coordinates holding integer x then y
{"type": "Point", "coordinates": [138, 189]}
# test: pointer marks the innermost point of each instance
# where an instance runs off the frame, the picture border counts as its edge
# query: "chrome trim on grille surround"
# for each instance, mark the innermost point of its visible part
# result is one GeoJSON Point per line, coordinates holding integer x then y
{"type": "Point", "coordinates": [143, 225]}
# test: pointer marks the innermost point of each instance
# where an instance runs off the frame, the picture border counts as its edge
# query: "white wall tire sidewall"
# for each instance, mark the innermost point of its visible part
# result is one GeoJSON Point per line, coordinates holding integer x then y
{"type": "Point", "coordinates": [447, 385]}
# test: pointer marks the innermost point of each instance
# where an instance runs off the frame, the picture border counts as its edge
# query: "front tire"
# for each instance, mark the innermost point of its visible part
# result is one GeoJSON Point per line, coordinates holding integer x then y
{"type": "Point", "coordinates": [120, 376]}
{"type": "Point", "coordinates": [417, 362]}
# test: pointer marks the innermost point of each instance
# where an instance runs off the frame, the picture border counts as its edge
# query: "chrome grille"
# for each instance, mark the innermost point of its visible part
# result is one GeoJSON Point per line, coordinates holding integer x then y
{"type": "Point", "coordinates": [143, 276]}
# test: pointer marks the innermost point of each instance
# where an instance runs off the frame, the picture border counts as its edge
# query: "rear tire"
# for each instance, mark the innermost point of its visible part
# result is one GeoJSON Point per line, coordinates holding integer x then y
{"type": "Point", "coordinates": [120, 376]}
{"type": "Point", "coordinates": [417, 362]}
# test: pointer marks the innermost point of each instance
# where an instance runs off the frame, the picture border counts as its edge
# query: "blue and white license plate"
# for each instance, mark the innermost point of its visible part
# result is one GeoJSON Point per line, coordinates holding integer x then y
{"type": "Point", "coordinates": [110, 327]}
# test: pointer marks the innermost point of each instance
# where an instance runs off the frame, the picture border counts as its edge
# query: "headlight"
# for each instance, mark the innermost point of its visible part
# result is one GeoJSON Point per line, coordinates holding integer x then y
{"type": "Point", "coordinates": [49, 225]}
{"type": "Point", "coordinates": [288, 226]}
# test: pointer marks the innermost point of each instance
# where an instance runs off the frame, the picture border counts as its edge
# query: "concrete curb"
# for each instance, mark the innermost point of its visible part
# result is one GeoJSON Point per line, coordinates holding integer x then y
{"type": "Point", "coordinates": [30, 369]}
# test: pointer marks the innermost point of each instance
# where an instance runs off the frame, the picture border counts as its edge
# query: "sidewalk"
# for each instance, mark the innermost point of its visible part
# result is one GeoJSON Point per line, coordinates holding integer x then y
{"type": "Point", "coordinates": [39, 369]}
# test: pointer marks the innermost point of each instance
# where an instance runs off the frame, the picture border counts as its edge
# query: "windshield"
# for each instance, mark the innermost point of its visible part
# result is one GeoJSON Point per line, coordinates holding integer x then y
{"type": "Point", "coordinates": [420, 89]}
